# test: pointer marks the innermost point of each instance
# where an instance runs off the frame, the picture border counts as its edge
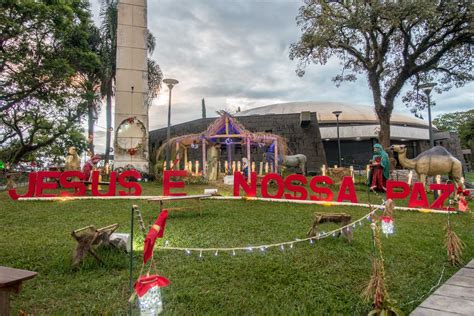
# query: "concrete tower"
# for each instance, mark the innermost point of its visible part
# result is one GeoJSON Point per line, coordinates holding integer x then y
{"type": "Point", "coordinates": [131, 112]}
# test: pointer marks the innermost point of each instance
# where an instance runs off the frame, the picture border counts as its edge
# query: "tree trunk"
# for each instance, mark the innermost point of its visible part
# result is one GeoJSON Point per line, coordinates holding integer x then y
{"type": "Point", "coordinates": [108, 112]}
{"type": "Point", "coordinates": [90, 130]}
{"type": "Point", "coordinates": [384, 133]}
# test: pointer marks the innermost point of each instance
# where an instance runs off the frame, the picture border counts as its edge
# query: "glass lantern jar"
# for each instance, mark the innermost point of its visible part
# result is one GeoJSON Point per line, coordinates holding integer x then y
{"type": "Point", "coordinates": [151, 302]}
{"type": "Point", "coordinates": [148, 290]}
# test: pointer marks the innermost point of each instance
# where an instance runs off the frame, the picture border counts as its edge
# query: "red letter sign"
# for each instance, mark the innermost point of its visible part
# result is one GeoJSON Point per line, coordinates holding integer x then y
{"type": "Point", "coordinates": [281, 186]}
{"type": "Point", "coordinates": [299, 192]}
{"type": "Point", "coordinates": [239, 181]}
{"type": "Point", "coordinates": [122, 180]}
{"type": "Point", "coordinates": [167, 184]}
{"type": "Point", "coordinates": [418, 190]}
{"type": "Point", "coordinates": [31, 188]}
{"type": "Point", "coordinates": [391, 194]}
{"type": "Point", "coordinates": [40, 185]}
{"type": "Point", "coordinates": [446, 189]}
{"type": "Point", "coordinates": [347, 183]}
{"type": "Point", "coordinates": [95, 184]}
{"type": "Point", "coordinates": [79, 187]}
{"type": "Point", "coordinates": [321, 191]}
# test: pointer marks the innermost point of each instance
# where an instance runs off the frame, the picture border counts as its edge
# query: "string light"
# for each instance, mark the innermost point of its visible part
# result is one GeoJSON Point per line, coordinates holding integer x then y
{"type": "Point", "coordinates": [263, 248]}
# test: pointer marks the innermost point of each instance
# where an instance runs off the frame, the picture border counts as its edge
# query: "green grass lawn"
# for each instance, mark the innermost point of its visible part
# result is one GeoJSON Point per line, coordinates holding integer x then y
{"type": "Point", "coordinates": [470, 177]}
{"type": "Point", "coordinates": [324, 278]}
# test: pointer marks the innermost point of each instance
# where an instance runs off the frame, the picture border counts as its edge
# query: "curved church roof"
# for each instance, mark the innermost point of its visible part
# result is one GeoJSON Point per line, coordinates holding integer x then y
{"type": "Point", "coordinates": [351, 113]}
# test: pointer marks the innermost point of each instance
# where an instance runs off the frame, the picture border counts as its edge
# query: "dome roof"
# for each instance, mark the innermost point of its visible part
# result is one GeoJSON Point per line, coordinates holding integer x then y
{"type": "Point", "coordinates": [351, 113]}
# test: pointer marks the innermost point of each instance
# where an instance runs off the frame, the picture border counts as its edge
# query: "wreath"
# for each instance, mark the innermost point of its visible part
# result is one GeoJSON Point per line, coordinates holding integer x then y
{"type": "Point", "coordinates": [139, 147]}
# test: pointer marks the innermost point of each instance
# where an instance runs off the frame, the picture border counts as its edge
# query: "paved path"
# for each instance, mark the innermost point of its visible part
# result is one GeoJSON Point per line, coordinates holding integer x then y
{"type": "Point", "coordinates": [455, 297]}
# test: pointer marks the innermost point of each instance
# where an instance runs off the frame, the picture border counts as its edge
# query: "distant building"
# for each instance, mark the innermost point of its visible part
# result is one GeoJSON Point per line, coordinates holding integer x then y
{"type": "Point", "coordinates": [310, 128]}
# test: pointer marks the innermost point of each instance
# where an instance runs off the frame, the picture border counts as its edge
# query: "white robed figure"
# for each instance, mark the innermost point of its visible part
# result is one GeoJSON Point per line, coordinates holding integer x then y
{"type": "Point", "coordinates": [213, 163]}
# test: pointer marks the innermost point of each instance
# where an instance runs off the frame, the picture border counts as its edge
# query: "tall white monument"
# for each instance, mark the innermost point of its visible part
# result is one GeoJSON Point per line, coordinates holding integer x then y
{"type": "Point", "coordinates": [131, 112]}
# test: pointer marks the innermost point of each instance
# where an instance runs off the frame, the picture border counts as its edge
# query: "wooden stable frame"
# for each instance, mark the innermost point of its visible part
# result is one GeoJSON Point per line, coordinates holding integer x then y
{"type": "Point", "coordinates": [101, 235]}
{"type": "Point", "coordinates": [228, 128]}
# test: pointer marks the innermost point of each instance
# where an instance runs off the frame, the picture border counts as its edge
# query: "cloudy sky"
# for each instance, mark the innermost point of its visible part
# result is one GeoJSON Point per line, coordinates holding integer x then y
{"type": "Point", "coordinates": [235, 53]}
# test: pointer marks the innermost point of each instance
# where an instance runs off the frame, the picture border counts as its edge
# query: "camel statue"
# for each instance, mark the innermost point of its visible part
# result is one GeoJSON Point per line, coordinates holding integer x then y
{"type": "Point", "coordinates": [432, 162]}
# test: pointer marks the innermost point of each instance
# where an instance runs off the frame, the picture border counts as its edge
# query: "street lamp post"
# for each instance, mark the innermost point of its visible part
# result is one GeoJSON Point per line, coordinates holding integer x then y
{"type": "Point", "coordinates": [427, 88]}
{"type": "Point", "coordinates": [170, 83]}
{"type": "Point", "coordinates": [337, 113]}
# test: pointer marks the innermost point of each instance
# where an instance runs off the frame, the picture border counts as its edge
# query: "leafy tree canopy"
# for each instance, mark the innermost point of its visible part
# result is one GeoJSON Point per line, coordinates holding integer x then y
{"type": "Point", "coordinates": [44, 46]}
{"type": "Point", "coordinates": [393, 43]}
{"type": "Point", "coordinates": [459, 122]}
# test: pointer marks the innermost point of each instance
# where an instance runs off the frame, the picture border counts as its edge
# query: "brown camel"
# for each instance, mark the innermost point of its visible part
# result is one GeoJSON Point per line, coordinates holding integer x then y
{"type": "Point", "coordinates": [432, 162]}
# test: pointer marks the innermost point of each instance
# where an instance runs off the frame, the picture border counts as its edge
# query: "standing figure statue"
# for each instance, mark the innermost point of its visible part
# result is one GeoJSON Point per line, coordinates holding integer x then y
{"type": "Point", "coordinates": [379, 170]}
{"type": "Point", "coordinates": [245, 168]}
{"type": "Point", "coordinates": [89, 166]}
{"type": "Point", "coordinates": [73, 162]}
{"type": "Point", "coordinates": [213, 163]}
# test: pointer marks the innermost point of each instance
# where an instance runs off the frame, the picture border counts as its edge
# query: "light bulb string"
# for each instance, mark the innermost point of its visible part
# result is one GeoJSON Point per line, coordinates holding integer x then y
{"type": "Point", "coordinates": [266, 246]}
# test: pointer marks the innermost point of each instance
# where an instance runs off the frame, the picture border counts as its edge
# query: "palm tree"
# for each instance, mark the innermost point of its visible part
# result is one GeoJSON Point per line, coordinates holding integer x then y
{"type": "Point", "coordinates": [155, 75]}
{"type": "Point", "coordinates": [109, 56]}
{"type": "Point", "coordinates": [91, 84]}
{"type": "Point", "coordinates": [108, 30]}
{"type": "Point", "coordinates": [88, 79]}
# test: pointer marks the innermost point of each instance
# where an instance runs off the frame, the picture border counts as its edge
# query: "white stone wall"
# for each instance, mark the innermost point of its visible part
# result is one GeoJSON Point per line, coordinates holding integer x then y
{"type": "Point", "coordinates": [371, 131]}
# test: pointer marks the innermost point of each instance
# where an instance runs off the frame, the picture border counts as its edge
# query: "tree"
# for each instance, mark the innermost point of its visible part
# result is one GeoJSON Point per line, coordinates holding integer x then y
{"type": "Point", "coordinates": [54, 154]}
{"type": "Point", "coordinates": [108, 31]}
{"type": "Point", "coordinates": [155, 75]}
{"type": "Point", "coordinates": [89, 77]}
{"type": "Point", "coordinates": [43, 43]}
{"type": "Point", "coordinates": [458, 122]}
{"type": "Point", "coordinates": [109, 55]}
{"type": "Point", "coordinates": [393, 43]}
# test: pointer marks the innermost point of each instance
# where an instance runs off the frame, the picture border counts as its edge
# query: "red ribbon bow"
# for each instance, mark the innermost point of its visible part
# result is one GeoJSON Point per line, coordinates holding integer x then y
{"type": "Point", "coordinates": [156, 231]}
{"type": "Point", "coordinates": [144, 283]}
{"type": "Point", "coordinates": [463, 192]}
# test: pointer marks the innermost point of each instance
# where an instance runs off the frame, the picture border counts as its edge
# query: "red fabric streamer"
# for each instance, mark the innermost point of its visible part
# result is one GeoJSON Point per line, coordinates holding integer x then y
{"type": "Point", "coordinates": [144, 283]}
{"type": "Point", "coordinates": [156, 231]}
{"type": "Point", "coordinates": [462, 204]}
